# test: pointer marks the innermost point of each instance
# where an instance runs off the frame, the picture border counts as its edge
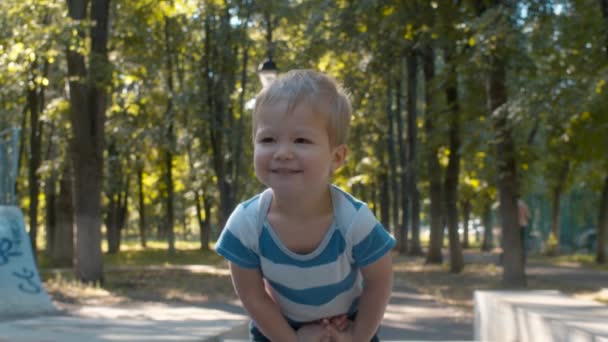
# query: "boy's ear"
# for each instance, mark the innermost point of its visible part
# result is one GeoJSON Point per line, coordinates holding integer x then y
{"type": "Point", "coordinates": [339, 156]}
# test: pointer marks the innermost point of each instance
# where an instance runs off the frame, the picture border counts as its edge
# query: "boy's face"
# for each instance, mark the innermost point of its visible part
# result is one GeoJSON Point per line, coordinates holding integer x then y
{"type": "Point", "coordinates": [292, 153]}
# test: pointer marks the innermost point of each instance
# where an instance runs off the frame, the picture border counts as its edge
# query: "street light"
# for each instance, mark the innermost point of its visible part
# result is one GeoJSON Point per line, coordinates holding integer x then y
{"type": "Point", "coordinates": [267, 72]}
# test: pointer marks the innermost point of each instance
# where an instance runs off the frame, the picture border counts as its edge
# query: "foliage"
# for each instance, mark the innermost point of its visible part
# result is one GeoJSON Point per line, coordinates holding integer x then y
{"type": "Point", "coordinates": [556, 80]}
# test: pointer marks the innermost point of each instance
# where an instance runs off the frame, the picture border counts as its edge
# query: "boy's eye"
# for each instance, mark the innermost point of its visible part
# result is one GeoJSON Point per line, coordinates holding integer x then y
{"type": "Point", "coordinates": [266, 140]}
{"type": "Point", "coordinates": [302, 141]}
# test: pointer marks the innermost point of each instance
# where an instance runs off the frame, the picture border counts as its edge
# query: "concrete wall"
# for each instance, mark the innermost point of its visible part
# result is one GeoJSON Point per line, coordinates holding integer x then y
{"type": "Point", "coordinates": [538, 316]}
{"type": "Point", "coordinates": [21, 292]}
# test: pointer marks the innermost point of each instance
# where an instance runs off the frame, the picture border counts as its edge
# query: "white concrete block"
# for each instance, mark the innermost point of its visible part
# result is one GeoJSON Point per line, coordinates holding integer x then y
{"type": "Point", "coordinates": [538, 316]}
{"type": "Point", "coordinates": [21, 292]}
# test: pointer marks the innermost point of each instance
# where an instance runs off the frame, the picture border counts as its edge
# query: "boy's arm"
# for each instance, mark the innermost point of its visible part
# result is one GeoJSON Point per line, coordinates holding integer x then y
{"type": "Point", "coordinates": [265, 312]}
{"type": "Point", "coordinates": [378, 284]}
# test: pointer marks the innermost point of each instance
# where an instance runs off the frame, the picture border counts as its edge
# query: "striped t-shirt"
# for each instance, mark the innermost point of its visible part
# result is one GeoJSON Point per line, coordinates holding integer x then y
{"type": "Point", "coordinates": [323, 283]}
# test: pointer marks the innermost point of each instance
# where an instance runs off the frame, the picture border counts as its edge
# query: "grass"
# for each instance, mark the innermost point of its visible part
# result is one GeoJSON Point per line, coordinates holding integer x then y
{"type": "Point", "coordinates": [158, 285]}
{"type": "Point", "coordinates": [573, 260]}
{"type": "Point", "coordinates": [164, 283]}
{"type": "Point", "coordinates": [155, 254]}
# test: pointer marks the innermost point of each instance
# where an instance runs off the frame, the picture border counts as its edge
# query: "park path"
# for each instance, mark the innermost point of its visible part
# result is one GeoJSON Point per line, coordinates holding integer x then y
{"type": "Point", "coordinates": [414, 316]}
{"type": "Point", "coordinates": [410, 316]}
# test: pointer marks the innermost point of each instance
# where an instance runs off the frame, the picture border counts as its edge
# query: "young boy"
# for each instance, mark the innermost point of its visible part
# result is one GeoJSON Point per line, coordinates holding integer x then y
{"type": "Point", "coordinates": [308, 260]}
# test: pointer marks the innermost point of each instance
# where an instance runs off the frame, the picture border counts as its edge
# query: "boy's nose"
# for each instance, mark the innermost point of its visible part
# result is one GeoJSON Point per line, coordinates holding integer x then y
{"type": "Point", "coordinates": [283, 151]}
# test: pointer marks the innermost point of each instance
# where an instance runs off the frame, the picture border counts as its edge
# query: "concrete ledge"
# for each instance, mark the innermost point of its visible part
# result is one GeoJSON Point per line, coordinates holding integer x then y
{"type": "Point", "coordinates": [538, 316]}
{"type": "Point", "coordinates": [21, 292]}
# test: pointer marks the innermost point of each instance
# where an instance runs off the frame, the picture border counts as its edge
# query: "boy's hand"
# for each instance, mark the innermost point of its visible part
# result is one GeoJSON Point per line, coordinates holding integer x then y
{"type": "Point", "coordinates": [340, 336]}
{"type": "Point", "coordinates": [340, 322]}
{"type": "Point", "coordinates": [313, 333]}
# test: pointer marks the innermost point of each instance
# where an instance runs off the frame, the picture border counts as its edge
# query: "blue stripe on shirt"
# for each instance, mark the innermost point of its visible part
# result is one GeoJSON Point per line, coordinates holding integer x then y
{"type": "Point", "coordinates": [317, 295]}
{"type": "Point", "coordinates": [377, 243]}
{"type": "Point", "coordinates": [231, 248]}
{"type": "Point", "coordinates": [272, 252]}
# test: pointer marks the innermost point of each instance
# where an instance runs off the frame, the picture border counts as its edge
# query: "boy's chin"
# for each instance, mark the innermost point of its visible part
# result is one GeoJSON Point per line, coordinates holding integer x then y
{"type": "Point", "coordinates": [295, 188]}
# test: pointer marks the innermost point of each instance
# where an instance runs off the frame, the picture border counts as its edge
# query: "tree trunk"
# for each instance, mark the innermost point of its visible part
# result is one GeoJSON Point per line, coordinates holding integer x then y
{"type": "Point", "coordinates": [373, 197]}
{"type": "Point", "coordinates": [466, 214]}
{"type": "Point", "coordinates": [21, 145]}
{"type": "Point", "coordinates": [170, 219]}
{"type": "Point", "coordinates": [412, 137]}
{"type": "Point", "coordinates": [604, 9]}
{"type": "Point", "coordinates": [434, 255]}
{"type": "Point", "coordinates": [50, 222]}
{"type": "Point", "coordinates": [382, 180]}
{"type": "Point", "coordinates": [384, 199]}
{"type": "Point", "coordinates": [487, 228]}
{"type": "Point", "coordinates": [513, 257]}
{"type": "Point", "coordinates": [35, 154]}
{"type": "Point", "coordinates": [392, 160]}
{"type": "Point", "coordinates": [451, 210]}
{"type": "Point", "coordinates": [453, 170]}
{"type": "Point", "coordinates": [558, 189]}
{"type": "Point", "coordinates": [216, 108]}
{"type": "Point", "coordinates": [402, 244]}
{"type": "Point", "coordinates": [142, 206]}
{"type": "Point", "coordinates": [238, 148]}
{"type": "Point", "coordinates": [88, 104]}
{"type": "Point", "coordinates": [201, 223]}
{"type": "Point", "coordinates": [63, 241]}
{"type": "Point", "coordinates": [206, 237]}
{"type": "Point", "coordinates": [112, 191]}
{"type": "Point", "coordinates": [602, 226]}
{"type": "Point", "coordinates": [50, 190]}
{"type": "Point", "coordinates": [168, 155]}
{"type": "Point", "coordinates": [117, 209]}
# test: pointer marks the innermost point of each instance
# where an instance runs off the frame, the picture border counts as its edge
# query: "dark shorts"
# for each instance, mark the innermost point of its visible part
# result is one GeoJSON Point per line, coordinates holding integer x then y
{"type": "Point", "coordinates": [524, 234]}
{"type": "Point", "coordinates": [256, 335]}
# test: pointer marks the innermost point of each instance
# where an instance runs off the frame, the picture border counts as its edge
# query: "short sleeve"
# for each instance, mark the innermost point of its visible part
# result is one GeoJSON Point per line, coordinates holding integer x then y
{"type": "Point", "coordinates": [370, 239]}
{"type": "Point", "coordinates": [237, 242]}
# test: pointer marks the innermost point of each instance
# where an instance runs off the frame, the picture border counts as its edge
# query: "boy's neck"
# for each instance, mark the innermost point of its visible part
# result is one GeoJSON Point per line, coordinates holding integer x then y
{"type": "Point", "coordinates": [299, 206]}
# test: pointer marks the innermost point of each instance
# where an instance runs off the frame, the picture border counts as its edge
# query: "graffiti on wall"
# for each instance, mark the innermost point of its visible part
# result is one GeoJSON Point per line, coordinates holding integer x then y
{"type": "Point", "coordinates": [11, 251]}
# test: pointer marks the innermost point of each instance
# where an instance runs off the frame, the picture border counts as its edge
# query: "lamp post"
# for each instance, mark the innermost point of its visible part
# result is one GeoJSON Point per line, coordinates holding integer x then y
{"type": "Point", "coordinates": [268, 71]}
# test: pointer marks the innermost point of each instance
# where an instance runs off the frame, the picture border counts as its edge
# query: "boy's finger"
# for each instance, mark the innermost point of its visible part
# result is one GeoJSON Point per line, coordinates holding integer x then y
{"type": "Point", "coordinates": [340, 322]}
{"type": "Point", "coordinates": [344, 325]}
{"type": "Point", "coordinates": [325, 322]}
{"type": "Point", "coordinates": [336, 336]}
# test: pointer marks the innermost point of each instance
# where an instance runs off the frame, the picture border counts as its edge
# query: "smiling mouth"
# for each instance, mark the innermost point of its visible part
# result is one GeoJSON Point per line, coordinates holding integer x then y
{"type": "Point", "coordinates": [285, 171]}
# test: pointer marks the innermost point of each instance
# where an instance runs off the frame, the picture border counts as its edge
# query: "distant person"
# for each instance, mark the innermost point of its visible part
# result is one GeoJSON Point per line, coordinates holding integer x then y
{"type": "Point", "coordinates": [309, 261]}
{"type": "Point", "coordinates": [523, 218]}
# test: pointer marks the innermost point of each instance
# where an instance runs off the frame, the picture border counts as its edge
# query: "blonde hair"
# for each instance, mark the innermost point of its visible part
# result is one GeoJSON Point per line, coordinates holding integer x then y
{"type": "Point", "coordinates": [320, 91]}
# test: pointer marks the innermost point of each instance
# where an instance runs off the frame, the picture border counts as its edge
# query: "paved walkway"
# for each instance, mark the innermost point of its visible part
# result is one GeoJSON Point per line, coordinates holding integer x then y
{"type": "Point", "coordinates": [414, 316]}
{"type": "Point", "coordinates": [135, 322]}
{"type": "Point", "coordinates": [410, 316]}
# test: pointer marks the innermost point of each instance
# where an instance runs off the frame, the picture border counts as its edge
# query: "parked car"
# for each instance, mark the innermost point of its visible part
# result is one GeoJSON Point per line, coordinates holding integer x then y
{"type": "Point", "coordinates": [587, 240]}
